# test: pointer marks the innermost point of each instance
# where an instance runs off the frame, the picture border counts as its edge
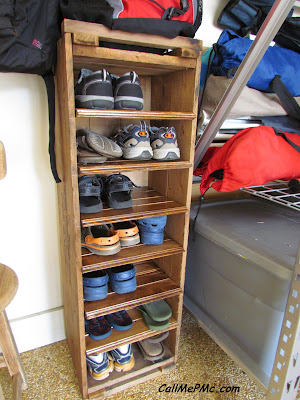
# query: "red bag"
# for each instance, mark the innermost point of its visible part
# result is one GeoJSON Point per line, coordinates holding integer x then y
{"type": "Point", "coordinates": [254, 156]}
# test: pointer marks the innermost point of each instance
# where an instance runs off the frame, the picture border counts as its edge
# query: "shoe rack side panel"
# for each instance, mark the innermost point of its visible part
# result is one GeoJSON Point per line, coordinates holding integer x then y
{"type": "Point", "coordinates": [69, 216]}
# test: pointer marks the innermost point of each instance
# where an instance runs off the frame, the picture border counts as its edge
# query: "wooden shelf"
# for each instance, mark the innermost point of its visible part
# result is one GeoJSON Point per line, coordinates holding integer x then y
{"type": "Point", "coordinates": [146, 203]}
{"type": "Point", "coordinates": [137, 332]}
{"type": "Point", "coordinates": [140, 368]}
{"type": "Point", "coordinates": [152, 284]}
{"type": "Point", "coordinates": [139, 115]}
{"type": "Point", "coordinates": [137, 253]}
{"type": "Point", "coordinates": [130, 166]}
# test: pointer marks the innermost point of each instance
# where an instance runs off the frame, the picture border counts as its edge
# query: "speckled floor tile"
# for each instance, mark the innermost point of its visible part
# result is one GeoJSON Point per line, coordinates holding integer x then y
{"type": "Point", "coordinates": [51, 375]}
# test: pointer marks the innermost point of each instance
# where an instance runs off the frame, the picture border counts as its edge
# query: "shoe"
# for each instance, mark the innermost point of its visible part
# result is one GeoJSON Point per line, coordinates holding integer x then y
{"type": "Point", "coordinates": [164, 143]}
{"type": "Point", "coordinates": [100, 239]}
{"type": "Point", "coordinates": [120, 320]}
{"type": "Point", "coordinates": [122, 279]}
{"type": "Point", "coordinates": [118, 188]}
{"type": "Point", "coordinates": [128, 93]}
{"type": "Point", "coordinates": [152, 229]}
{"type": "Point", "coordinates": [98, 328]}
{"type": "Point", "coordinates": [90, 188]}
{"type": "Point", "coordinates": [89, 157]}
{"type": "Point", "coordinates": [99, 366]}
{"type": "Point", "coordinates": [134, 141]}
{"type": "Point", "coordinates": [94, 90]}
{"type": "Point", "coordinates": [151, 351]}
{"type": "Point", "coordinates": [123, 358]}
{"type": "Point", "coordinates": [100, 144]}
{"type": "Point", "coordinates": [95, 285]}
{"type": "Point", "coordinates": [128, 233]}
{"type": "Point", "coordinates": [158, 310]}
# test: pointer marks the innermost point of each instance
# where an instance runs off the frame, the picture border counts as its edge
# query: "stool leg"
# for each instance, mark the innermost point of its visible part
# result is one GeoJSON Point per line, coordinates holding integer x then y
{"type": "Point", "coordinates": [10, 351]}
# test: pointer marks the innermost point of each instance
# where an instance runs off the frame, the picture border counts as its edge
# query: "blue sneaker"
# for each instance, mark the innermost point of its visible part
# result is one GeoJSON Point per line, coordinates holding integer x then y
{"type": "Point", "coordinates": [99, 365]}
{"type": "Point", "coordinates": [120, 320]}
{"type": "Point", "coordinates": [98, 328]}
{"type": "Point", "coordinates": [95, 285]}
{"type": "Point", "coordinates": [123, 358]}
{"type": "Point", "coordinates": [152, 229]}
{"type": "Point", "coordinates": [122, 279]}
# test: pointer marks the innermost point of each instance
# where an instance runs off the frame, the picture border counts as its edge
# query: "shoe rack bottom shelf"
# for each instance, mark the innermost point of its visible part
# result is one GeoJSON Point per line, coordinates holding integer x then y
{"type": "Point", "coordinates": [142, 371]}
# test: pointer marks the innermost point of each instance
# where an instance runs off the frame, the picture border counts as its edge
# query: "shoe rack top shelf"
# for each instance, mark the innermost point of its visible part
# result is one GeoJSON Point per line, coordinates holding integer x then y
{"type": "Point", "coordinates": [141, 367]}
{"type": "Point", "coordinates": [138, 115]}
{"type": "Point", "coordinates": [121, 165]}
{"type": "Point", "coordinates": [146, 203]}
{"type": "Point", "coordinates": [137, 253]}
{"type": "Point", "coordinates": [87, 54]}
{"type": "Point", "coordinates": [137, 332]}
{"type": "Point", "coordinates": [152, 284]}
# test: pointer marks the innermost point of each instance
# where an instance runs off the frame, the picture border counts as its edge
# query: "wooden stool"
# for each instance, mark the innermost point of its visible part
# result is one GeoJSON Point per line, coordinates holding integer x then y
{"type": "Point", "coordinates": [11, 357]}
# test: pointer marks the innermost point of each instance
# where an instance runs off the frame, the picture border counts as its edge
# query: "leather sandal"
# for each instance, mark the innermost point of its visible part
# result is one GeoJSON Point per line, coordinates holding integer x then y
{"type": "Point", "coordinates": [118, 188]}
{"type": "Point", "coordinates": [90, 188]}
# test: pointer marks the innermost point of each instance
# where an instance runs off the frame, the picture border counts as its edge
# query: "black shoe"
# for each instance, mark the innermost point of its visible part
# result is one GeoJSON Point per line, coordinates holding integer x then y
{"type": "Point", "coordinates": [128, 92]}
{"type": "Point", "coordinates": [94, 90]}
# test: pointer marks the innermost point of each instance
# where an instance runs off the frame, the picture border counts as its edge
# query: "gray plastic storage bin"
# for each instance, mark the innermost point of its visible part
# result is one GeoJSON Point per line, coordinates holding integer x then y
{"type": "Point", "coordinates": [240, 262]}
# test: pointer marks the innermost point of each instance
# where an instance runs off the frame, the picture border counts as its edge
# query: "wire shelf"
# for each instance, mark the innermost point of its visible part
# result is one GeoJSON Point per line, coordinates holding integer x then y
{"type": "Point", "coordinates": [276, 192]}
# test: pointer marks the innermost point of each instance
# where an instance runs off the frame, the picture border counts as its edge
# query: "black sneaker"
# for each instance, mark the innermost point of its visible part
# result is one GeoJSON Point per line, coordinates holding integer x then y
{"type": "Point", "coordinates": [128, 92]}
{"type": "Point", "coordinates": [94, 90]}
{"type": "Point", "coordinates": [134, 141]}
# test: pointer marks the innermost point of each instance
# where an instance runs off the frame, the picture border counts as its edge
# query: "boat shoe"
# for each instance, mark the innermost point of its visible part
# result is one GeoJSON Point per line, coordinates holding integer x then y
{"type": "Point", "coordinates": [100, 239]}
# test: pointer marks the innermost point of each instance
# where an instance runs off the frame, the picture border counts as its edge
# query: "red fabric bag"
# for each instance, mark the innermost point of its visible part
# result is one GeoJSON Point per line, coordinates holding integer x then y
{"type": "Point", "coordinates": [254, 156]}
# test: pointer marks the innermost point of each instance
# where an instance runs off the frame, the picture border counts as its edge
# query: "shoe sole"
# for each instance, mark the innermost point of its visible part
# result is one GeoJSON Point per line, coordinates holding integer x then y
{"type": "Point", "coordinates": [104, 251]}
{"type": "Point", "coordinates": [104, 374]}
{"type": "Point", "coordinates": [89, 101]}
{"type": "Point", "coordinates": [128, 103]}
{"type": "Point", "coordinates": [130, 241]}
{"type": "Point", "coordinates": [100, 336]}
{"type": "Point", "coordinates": [139, 153]}
{"type": "Point", "coordinates": [166, 154]}
{"type": "Point", "coordinates": [125, 367]}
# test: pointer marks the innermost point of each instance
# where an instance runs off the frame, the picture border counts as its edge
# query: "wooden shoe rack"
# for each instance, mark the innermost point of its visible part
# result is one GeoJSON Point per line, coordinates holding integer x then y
{"type": "Point", "coordinates": [170, 84]}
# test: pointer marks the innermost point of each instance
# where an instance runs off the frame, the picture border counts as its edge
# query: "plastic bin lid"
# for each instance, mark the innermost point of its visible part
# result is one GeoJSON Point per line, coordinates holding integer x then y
{"type": "Point", "coordinates": [255, 229]}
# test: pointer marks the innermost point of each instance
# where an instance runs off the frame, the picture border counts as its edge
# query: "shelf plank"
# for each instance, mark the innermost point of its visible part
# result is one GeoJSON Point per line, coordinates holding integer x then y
{"type": "Point", "coordinates": [146, 203]}
{"type": "Point", "coordinates": [139, 252]}
{"type": "Point", "coordinates": [141, 367]}
{"type": "Point", "coordinates": [130, 166]}
{"type": "Point", "coordinates": [138, 331]}
{"type": "Point", "coordinates": [140, 115]}
{"type": "Point", "coordinates": [150, 287]}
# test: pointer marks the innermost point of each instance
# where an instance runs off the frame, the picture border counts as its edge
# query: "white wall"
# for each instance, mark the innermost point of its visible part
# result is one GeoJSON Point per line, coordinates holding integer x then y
{"type": "Point", "coordinates": [28, 212]}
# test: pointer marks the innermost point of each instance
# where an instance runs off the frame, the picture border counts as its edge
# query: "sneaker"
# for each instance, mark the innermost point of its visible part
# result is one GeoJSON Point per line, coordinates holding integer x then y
{"type": "Point", "coordinates": [98, 328]}
{"type": "Point", "coordinates": [152, 229]}
{"type": "Point", "coordinates": [128, 92]}
{"type": "Point", "coordinates": [101, 240]}
{"type": "Point", "coordinates": [134, 141]}
{"type": "Point", "coordinates": [94, 90]}
{"type": "Point", "coordinates": [99, 365]}
{"type": "Point", "coordinates": [123, 358]}
{"type": "Point", "coordinates": [119, 320]}
{"type": "Point", "coordinates": [164, 143]}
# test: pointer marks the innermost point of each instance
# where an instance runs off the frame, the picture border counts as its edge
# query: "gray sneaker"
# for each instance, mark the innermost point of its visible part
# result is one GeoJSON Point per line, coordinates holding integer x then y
{"type": "Point", "coordinates": [164, 143]}
{"type": "Point", "coordinates": [93, 141]}
{"type": "Point", "coordinates": [134, 141]}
